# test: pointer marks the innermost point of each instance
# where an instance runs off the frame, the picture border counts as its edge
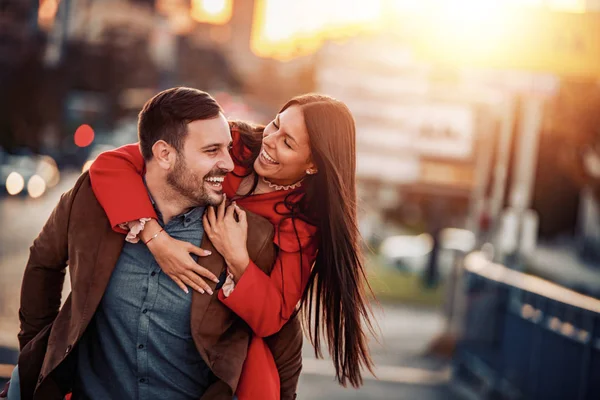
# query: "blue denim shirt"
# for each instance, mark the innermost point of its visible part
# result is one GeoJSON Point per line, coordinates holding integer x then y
{"type": "Point", "coordinates": [139, 344]}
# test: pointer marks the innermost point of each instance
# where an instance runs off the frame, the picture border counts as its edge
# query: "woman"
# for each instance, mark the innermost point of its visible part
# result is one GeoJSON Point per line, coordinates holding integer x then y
{"type": "Point", "coordinates": [298, 172]}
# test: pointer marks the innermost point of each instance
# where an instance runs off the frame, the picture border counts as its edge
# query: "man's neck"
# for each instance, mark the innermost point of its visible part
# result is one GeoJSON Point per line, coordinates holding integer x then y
{"type": "Point", "coordinates": [167, 201]}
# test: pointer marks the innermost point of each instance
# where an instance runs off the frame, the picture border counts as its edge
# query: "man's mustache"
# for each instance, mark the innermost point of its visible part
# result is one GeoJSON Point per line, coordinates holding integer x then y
{"type": "Point", "coordinates": [219, 173]}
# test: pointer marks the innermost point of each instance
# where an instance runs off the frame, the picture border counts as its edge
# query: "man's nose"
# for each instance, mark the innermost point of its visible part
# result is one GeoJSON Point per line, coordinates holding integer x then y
{"type": "Point", "coordinates": [226, 162]}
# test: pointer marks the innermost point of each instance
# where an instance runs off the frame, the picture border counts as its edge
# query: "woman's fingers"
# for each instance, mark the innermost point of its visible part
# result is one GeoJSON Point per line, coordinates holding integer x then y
{"type": "Point", "coordinates": [221, 209]}
{"type": "Point", "coordinates": [241, 215]}
{"type": "Point", "coordinates": [185, 279]}
{"type": "Point", "coordinates": [230, 211]}
{"type": "Point", "coordinates": [212, 218]}
{"type": "Point", "coordinates": [198, 251]}
{"type": "Point", "coordinates": [206, 225]}
{"type": "Point", "coordinates": [179, 283]}
{"type": "Point", "coordinates": [200, 270]}
{"type": "Point", "coordinates": [198, 283]}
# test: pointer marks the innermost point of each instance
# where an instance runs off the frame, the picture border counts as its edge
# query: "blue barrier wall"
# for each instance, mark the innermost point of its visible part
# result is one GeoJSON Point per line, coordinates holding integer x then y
{"type": "Point", "coordinates": [518, 344]}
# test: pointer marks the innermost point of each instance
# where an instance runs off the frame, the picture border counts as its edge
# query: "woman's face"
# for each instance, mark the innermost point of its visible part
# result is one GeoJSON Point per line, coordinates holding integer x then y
{"type": "Point", "coordinates": [285, 154]}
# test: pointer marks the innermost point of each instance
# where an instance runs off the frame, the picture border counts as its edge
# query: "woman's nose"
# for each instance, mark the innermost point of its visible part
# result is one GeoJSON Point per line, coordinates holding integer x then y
{"type": "Point", "coordinates": [269, 139]}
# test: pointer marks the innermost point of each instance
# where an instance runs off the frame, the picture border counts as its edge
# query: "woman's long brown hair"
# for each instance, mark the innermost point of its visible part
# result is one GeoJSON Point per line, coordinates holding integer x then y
{"type": "Point", "coordinates": [334, 303]}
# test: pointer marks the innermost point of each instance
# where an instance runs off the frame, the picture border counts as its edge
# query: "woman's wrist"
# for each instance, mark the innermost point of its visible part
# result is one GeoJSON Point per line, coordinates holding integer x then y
{"type": "Point", "coordinates": [237, 266]}
{"type": "Point", "coordinates": [150, 229]}
{"type": "Point", "coordinates": [160, 241]}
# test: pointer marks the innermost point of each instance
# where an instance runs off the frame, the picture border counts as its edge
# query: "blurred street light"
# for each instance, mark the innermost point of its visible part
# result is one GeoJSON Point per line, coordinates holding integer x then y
{"type": "Point", "coordinates": [84, 136]}
{"type": "Point", "coordinates": [47, 13]}
{"type": "Point", "coordinates": [14, 183]}
{"type": "Point", "coordinates": [36, 186]}
{"type": "Point", "coordinates": [48, 170]}
{"type": "Point", "coordinates": [286, 29]}
{"type": "Point", "coordinates": [216, 12]}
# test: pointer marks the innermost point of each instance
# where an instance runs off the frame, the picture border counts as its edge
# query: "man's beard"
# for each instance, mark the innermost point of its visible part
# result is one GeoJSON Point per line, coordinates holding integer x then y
{"type": "Point", "coordinates": [187, 183]}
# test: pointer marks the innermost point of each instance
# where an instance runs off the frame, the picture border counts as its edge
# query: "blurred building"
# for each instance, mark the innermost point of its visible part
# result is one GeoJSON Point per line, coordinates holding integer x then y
{"type": "Point", "coordinates": [422, 136]}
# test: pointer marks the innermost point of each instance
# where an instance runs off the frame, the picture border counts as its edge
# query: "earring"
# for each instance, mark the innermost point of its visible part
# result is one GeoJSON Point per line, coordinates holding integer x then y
{"type": "Point", "coordinates": [309, 172]}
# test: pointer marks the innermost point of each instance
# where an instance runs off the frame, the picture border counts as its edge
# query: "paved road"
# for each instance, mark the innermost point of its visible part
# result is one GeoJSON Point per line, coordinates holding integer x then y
{"type": "Point", "coordinates": [405, 331]}
{"type": "Point", "coordinates": [22, 218]}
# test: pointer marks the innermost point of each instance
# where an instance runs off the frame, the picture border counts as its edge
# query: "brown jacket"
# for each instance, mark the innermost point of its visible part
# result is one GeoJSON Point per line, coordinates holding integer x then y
{"type": "Point", "coordinates": [79, 234]}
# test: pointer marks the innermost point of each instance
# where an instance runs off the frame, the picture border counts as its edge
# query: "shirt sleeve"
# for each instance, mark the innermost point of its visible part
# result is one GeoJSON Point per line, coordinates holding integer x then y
{"type": "Point", "coordinates": [116, 178]}
{"type": "Point", "coordinates": [266, 302]}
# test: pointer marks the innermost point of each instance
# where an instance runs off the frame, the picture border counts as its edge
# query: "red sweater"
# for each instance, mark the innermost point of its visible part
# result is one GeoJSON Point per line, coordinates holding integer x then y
{"type": "Point", "coordinates": [264, 302]}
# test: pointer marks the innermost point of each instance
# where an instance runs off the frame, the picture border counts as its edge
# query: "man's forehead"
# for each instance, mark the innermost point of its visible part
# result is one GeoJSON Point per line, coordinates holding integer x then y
{"type": "Point", "coordinates": [209, 131]}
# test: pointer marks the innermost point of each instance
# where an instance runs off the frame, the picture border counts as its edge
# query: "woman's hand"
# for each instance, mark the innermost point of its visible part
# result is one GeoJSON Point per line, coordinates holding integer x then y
{"type": "Point", "coordinates": [173, 257]}
{"type": "Point", "coordinates": [227, 229]}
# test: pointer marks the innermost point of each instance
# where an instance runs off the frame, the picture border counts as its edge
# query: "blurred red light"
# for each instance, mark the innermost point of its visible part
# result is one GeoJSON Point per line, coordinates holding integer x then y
{"type": "Point", "coordinates": [84, 135]}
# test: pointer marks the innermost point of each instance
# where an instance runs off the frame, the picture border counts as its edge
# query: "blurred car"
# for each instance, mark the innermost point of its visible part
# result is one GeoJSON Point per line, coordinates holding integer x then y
{"type": "Point", "coordinates": [411, 253]}
{"type": "Point", "coordinates": [27, 174]}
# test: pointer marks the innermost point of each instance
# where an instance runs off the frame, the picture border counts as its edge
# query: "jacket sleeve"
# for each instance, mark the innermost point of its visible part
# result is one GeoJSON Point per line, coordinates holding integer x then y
{"type": "Point", "coordinates": [286, 348]}
{"type": "Point", "coordinates": [266, 302]}
{"type": "Point", "coordinates": [45, 271]}
{"type": "Point", "coordinates": [117, 182]}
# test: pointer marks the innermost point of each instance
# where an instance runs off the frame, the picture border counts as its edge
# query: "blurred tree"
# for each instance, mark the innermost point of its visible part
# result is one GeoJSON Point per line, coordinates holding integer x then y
{"type": "Point", "coordinates": [574, 122]}
{"type": "Point", "coordinates": [21, 73]}
{"type": "Point", "coordinates": [205, 67]}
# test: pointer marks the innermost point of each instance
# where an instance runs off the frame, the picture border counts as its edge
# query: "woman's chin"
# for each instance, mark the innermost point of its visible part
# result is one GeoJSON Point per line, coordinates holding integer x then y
{"type": "Point", "coordinates": [261, 170]}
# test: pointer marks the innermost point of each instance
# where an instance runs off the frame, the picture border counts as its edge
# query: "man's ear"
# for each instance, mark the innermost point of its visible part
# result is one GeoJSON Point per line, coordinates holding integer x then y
{"type": "Point", "coordinates": [164, 154]}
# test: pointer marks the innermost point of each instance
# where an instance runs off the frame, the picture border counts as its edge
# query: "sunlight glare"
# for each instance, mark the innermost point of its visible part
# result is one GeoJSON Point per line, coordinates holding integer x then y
{"type": "Point", "coordinates": [214, 7]}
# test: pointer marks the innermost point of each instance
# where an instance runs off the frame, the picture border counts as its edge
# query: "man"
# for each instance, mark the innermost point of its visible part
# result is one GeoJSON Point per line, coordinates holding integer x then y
{"type": "Point", "coordinates": [127, 331]}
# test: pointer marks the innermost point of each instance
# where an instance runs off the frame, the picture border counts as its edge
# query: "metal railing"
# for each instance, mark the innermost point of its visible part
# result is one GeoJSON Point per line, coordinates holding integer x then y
{"type": "Point", "coordinates": [527, 338]}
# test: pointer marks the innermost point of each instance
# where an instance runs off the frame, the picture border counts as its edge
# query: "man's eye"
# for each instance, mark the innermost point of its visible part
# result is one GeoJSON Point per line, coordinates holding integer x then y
{"type": "Point", "coordinates": [287, 144]}
{"type": "Point", "coordinates": [275, 124]}
{"type": "Point", "coordinates": [211, 150]}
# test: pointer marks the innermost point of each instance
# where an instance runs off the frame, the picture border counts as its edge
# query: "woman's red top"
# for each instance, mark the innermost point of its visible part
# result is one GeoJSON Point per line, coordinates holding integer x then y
{"type": "Point", "coordinates": [264, 302]}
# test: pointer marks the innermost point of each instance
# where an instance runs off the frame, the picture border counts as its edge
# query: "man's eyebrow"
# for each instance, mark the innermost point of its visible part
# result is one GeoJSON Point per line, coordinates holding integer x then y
{"type": "Point", "coordinates": [217, 145]}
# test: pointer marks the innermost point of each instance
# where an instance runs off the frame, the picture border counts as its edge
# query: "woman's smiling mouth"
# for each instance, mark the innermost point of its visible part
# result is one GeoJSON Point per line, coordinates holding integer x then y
{"type": "Point", "coordinates": [266, 158]}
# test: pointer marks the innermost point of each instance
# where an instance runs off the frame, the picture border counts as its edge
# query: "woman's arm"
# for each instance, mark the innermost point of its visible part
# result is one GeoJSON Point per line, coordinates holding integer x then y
{"type": "Point", "coordinates": [116, 178]}
{"type": "Point", "coordinates": [267, 302]}
{"type": "Point", "coordinates": [117, 182]}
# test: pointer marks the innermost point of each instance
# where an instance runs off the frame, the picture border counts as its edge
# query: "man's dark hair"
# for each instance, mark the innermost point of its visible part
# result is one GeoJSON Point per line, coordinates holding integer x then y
{"type": "Point", "coordinates": [166, 115]}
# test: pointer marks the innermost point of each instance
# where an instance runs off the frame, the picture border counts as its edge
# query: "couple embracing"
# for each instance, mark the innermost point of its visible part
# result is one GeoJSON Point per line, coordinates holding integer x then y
{"type": "Point", "coordinates": [259, 222]}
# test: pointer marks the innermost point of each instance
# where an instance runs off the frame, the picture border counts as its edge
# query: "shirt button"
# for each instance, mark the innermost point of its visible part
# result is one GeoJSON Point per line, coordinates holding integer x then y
{"type": "Point", "coordinates": [142, 380]}
{"type": "Point", "coordinates": [153, 273]}
{"type": "Point", "coordinates": [69, 347]}
{"type": "Point", "coordinates": [40, 378]}
{"type": "Point", "coordinates": [141, 346]}
{"type": "Point", "coordinates": [144, 311]}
